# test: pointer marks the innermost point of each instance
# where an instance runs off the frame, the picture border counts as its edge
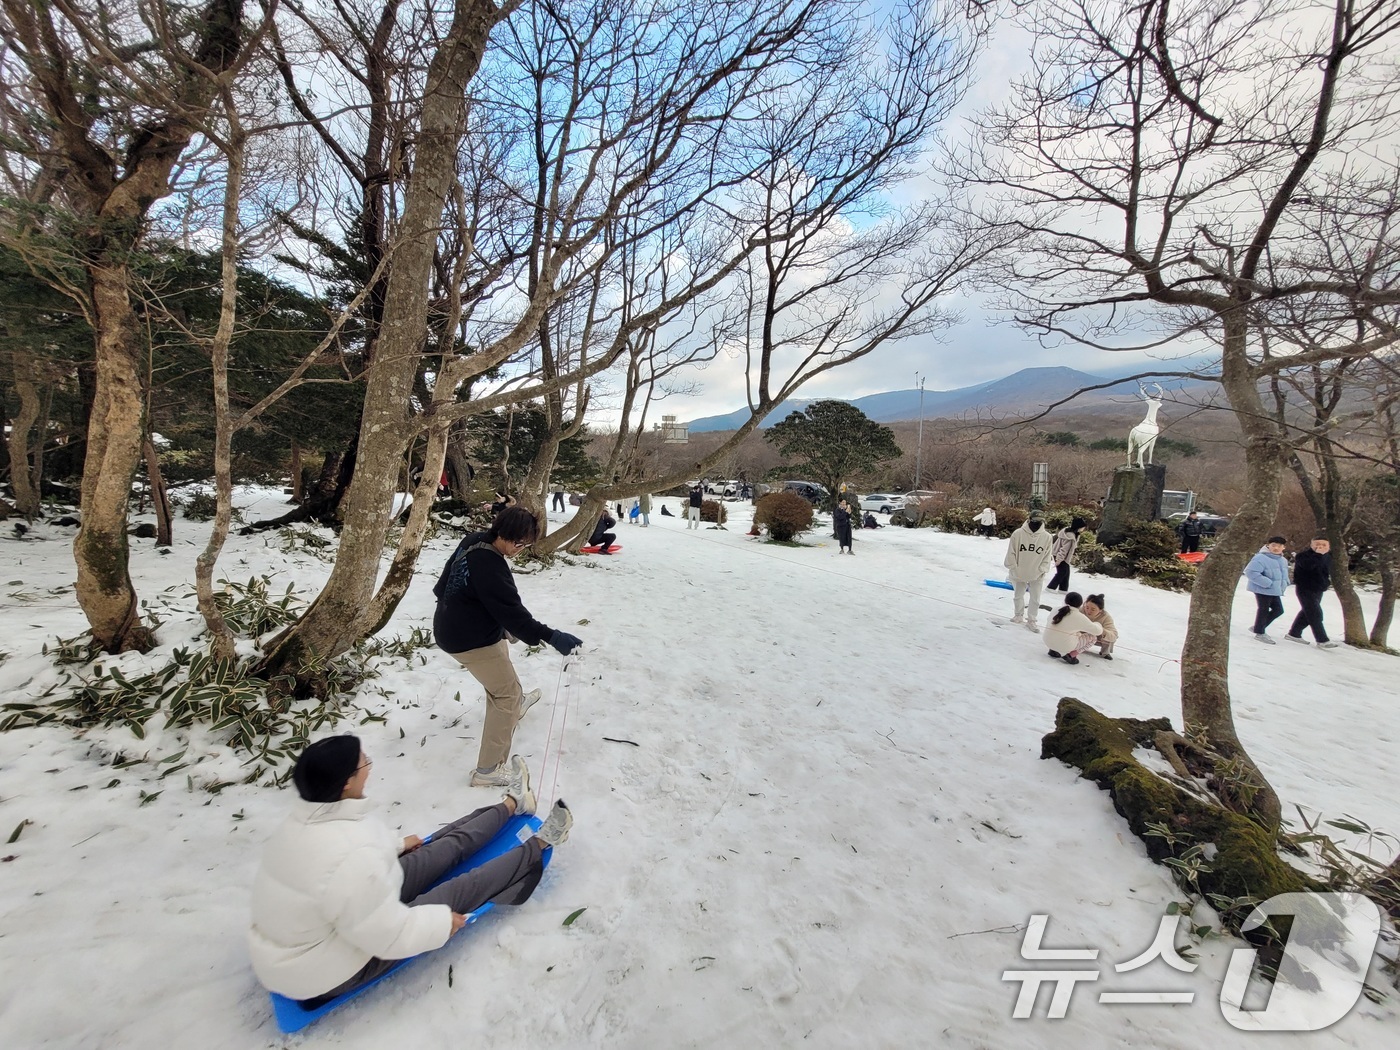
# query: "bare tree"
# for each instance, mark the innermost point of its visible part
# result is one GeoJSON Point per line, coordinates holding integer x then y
{"type": "Point", "coordinates": [1155, 157]}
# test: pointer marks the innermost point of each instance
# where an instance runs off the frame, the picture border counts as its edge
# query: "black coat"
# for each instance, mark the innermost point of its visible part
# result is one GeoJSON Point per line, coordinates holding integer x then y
{"type": "Point", "coordinates": [478, 602]}
{"type": "Point", "coordinates": [1312, 571]}
{"type": "Point", "coordinates": [697, 496]}
{"type": "Point", "coordinates": [842, 520]}
{"type": "Point", "coordinates": [1192, 528]}
{"type": "Point", "coordinates": [600, 530]}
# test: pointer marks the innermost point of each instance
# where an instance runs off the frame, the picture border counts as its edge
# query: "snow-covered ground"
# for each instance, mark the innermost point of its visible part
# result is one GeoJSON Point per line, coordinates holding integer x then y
{"type": "Point", "coordinates": [831, 831]}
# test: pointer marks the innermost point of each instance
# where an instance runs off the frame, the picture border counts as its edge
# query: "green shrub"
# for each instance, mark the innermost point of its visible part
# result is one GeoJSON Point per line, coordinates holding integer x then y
{"type": "Point", "coordinates": [200, 506]}
{"type": "Point", "coordinates": [1147, 553]}
{"type": "Point", "coordinates": [784, 514]}
{"type": "Point", "coordinates": [1169, 574]}
{"type": "Point", "coordinates": [713, 510]}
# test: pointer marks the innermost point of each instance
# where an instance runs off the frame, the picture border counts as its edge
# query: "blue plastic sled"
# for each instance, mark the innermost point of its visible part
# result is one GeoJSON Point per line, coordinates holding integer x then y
{"type": "Point", "coordinates": [999, 583]}
{"type": "Point", "coordinates": [291, 1017]}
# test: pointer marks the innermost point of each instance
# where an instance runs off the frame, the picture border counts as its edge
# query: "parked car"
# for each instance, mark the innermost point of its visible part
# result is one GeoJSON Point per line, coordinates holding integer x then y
{"type": "Point", "coordinates": [1210, 523]}
{"type": "Point", "coordinates": [881, 503]}
{"type": "Point", "coordinates": [813, 493]}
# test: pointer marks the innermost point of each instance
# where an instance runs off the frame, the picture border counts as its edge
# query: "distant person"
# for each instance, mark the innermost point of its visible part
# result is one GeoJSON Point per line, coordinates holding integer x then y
{"type": "Point", "coordinates": [1027, 561]}
{"type": "Point", "coordinates": [746, 492]}
{"type": "Point", "coordinates": [644, 502]}
{"type": "Point", "coordinates": [478, 611]}
{"type": "Point", "coordinates": [870, 522]}
{"type": "Point", "coordinates": [601, 537]}
{"type": "Point", "coordinates": [1069, 631]}
{"type": "Point", "coordinates": [1312, 575]}
{"type": "Point", "coordinates": [1267, 578]}
{"type": "Point", "coordinates": [986, 522]}
{"type": "Point", "coordinates": [1061, 551]}
{"type": "Point", "coordinates": [557, 503]}
{"type": "Point", "coordinates": [841, 519]}
{"type": "Point", "coordinates": [1191, 530]}
{"type": "Point", "coordinates": [339, 899]}
{"type": "Point", "coordinates": [692, 514]}
{"type": "Point", "coordinates": [502, 502]}
{"type": "Point", "coordinates": [634, 516]}
{"type": "Point", "coordinates": [665, 512]}
{"type": "Point", "coordinates": [1093, 608]}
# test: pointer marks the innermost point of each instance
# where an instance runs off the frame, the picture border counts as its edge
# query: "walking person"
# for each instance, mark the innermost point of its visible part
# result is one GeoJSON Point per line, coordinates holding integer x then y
{"type": "Point", "coordinates": [1191, 530]}
{"type": "Point", "coordinates": [1027, 561]}
{"type": "Point", "coordinates": [339, 899]}
{"type": "Point", "coordinates": [692, 513]}
{"type": "Point", "coordinates": [1312, 575]}
{"type": "Point", "coordinates": [557, 502]}
{"type": "Point", "coordinates": [1267, 579]}
{"type": "Point", "coordinates": [644, 501]}
{"type": "Point", "coordinates": [1069, 631]}
{"type": "Point", "coordinates": [1093, 608]}
{"type": "Point", "coordinates": [1066, 542]}
{"type": "Point", "coordinates": [986, 522]}
{"type": "Point", "coordinates": [478, 612]}
{"type": "Point", "coordinates": [841, 519]}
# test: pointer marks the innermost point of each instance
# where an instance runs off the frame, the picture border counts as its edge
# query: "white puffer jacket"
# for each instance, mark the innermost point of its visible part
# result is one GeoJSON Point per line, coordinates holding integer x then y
{"type": "Point", "coordinates": [1063, 637]}
{"type": "Point", "coordinates": [326, 901]}
{"type": "Point", "coordinates": [1028, 555]}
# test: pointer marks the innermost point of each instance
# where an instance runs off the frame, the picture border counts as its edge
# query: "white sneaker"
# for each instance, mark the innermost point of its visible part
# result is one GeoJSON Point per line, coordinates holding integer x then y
{"type": "Point", "coordinates": [506, 775]}
{"type": "Point", "coordinates": [528, 701]}
{"type": "Point", "coordinates": [555, 830]}
{"type": "Point", "coordinates": [1262, 637]}
{"type": "Point", "coordinates": [1018, 619]}
{"type": "Point", "coordinates": [1032, 626]}
{"type": "Point", "coordinates": [1328, 645]}
{"type": "Point", "coordinates": [1295, 638]}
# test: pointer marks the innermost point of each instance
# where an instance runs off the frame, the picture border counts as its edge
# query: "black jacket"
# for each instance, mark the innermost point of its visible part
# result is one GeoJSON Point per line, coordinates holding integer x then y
{"type": "Point", "coordinates": [478, 602]}
{"type": "Point", "coordinates": [1312, 571]}
{"type": "Point", "coordinates": [601, 529]}
{"type": "Point", "coordinates": [841, 519]}
{"type": "Point", "coordinates": [697, 496]}
{"type": "Point", "coordinates": [1192, 528]}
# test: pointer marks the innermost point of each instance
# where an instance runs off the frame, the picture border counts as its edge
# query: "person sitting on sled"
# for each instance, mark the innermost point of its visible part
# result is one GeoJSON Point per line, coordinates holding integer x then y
{"type": "Point", "coordinates": [338, 898]}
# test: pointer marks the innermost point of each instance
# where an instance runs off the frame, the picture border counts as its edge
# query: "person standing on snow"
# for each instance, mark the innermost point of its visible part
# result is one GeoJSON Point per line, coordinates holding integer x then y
{"type": "Point", "coordinates": [841, 521]}
{"type": "Point", "coordinates": [339, 898]}
{"type": "Point", "coordinates": [478, 612]}
{"type": "Point", "coordinates": [1312, 575]}
{"type": "Point", "coordinates": [1027, 561]}
{"type": "Point", "coordinates": [557, 503]}
{"type": "Point", "coordinates": [986, 521]}
{"type": "Point", "coordinates": [692, 514]}
{"type": "Point", "coordinates": [1061, 551]}
{"type": "Point", "coordinates": [1267, 579]}
{"type": "Point", "coordinates": [1191, 530]}
{"type": "Point", "coordinates": [644, 502]}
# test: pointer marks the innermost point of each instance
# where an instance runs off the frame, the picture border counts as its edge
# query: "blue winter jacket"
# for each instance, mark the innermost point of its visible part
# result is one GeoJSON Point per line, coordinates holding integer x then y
{"type": "Point", "coordinates": [1267, 573]}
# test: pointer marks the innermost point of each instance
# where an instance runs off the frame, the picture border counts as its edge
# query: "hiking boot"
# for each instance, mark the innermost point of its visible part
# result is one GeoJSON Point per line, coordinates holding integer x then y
{"type": "Point", "coordinates": [1295, 638]}
{"type": "Point", "coordinates": [1070, 658]}
{"type": "Point", "coordinates": [555, 830]}
{"type": "Point", "coordinates": [1328, 645]}
{"type": "Point", "coordinates": [1260, 636]}
{"type": "Point", "coordinates": [1054, 654]}
{"type": "Point", "coordinates": [528, 701]}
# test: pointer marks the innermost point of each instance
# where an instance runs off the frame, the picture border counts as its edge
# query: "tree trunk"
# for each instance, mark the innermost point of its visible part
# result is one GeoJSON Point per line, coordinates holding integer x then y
{"type": "Point", "coordinates": [1381, 628]}
{"type": "Point", "coordinates": [337, 618]}
{"type": "Point", "coordinates": [115, 434]}
{"type": "Point", "coordinates": [160, 499]}
{"type": "Point", "coordinates": [22, 475]}
{"type": "Point", "coordinates": [1205, 657]}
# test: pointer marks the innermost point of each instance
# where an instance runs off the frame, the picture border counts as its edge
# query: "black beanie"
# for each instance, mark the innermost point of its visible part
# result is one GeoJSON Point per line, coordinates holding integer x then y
{"type": "Point", "coordinates": [1076, 524]}
{"type": "Point", "coordinates": [325, 767]}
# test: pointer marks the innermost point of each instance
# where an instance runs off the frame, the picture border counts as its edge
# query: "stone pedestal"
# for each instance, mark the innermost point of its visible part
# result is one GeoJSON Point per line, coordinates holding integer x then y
{"type": "Point", "coordinates": [1136, 496]}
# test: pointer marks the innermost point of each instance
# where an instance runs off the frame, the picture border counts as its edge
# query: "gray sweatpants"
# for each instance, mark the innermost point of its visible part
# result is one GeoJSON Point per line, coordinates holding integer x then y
{"type": "Point", "coordinates": [1019, 594]}
{"type": "Point", "coordinates": [508, 879]}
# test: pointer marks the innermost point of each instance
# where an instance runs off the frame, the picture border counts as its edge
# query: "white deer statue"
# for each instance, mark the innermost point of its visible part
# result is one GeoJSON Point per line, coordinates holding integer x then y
{"type": "Point", "coordinates": [1143, 437]}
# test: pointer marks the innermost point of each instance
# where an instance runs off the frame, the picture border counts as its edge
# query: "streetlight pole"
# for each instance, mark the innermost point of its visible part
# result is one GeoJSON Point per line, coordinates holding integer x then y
{"type": "Point", "coordinates": [919, 456]}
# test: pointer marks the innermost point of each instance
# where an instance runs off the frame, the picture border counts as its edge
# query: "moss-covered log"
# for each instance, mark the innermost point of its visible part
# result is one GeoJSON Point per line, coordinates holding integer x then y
{"type": "Point", "coordinates": [1242, 867]}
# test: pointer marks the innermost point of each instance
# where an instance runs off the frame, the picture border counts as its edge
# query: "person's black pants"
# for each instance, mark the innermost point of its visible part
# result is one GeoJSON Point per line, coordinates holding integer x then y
{"type": "Point", "coordinates": [1190, 544]}
{"type": "Point", "coordinates": [605, 542]}
{"type": "Point", "coordinates": [1270, 609]}
{"type": "Point", "coordinates": [1060, 581]}
{"type": "Point", "coordinates": [1309, 615]}
{"type": "Point", "coordinates": [558, 502]}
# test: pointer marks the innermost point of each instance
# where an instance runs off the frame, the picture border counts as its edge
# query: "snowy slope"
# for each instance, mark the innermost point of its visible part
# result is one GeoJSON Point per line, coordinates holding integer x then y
{"type": "Point", "coordinates": [831, 832]}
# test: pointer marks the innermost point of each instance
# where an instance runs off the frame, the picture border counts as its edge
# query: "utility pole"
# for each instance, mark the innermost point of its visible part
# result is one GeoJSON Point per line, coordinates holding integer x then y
{"type": "Point", "coordinates": [919, 456]}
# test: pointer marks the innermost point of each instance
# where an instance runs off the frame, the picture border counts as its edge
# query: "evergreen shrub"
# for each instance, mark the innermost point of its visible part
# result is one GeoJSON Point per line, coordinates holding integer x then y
{"type": "Point", "coordinates": [784, 514]}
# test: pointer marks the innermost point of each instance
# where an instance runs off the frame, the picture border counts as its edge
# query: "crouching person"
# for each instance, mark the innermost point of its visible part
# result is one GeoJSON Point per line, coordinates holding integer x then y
{"type": "Point", "coordinates": [338, 898]}
{"type": "Point", "coordinates": [1093, 608]}
{"type": "Point", "coordinates": [1070, 632]}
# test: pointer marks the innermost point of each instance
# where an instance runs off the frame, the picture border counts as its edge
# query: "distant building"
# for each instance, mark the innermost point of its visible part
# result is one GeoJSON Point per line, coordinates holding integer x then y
{"type": "Point", "coordinates": [674, 433]}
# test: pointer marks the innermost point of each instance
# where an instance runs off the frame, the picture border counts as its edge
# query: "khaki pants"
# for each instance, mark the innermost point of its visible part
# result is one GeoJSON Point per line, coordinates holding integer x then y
{"type": "Point", "coordinates": [490, 665]}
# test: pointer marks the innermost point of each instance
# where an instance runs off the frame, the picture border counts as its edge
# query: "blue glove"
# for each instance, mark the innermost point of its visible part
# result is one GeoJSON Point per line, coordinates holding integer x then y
{"type": "Point", "coordinates": [565, 643]}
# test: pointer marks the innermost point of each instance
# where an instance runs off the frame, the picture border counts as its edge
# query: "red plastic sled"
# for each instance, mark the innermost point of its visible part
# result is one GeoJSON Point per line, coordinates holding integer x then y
{"type": "Point", "coordinates": [598, 550]}
{"type": "Point", "coordinates": [1194, 557]}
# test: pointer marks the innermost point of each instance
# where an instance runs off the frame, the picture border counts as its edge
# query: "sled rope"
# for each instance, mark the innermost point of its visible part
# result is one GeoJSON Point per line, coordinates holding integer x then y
{"type": "Point", "coordinates": [568, 664]}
